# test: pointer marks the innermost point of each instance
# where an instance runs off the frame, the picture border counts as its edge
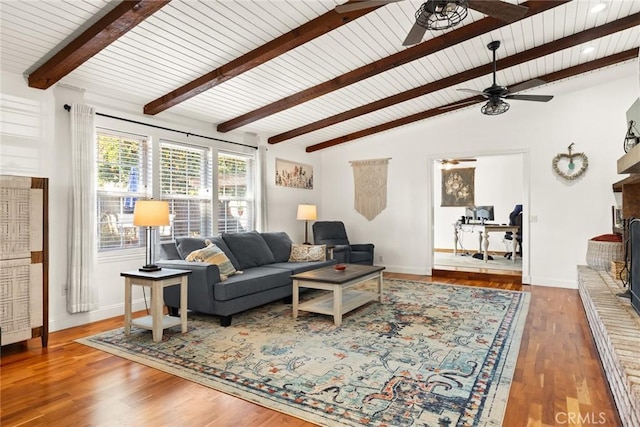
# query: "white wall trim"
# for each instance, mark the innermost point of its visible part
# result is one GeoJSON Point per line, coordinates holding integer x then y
{"type": "Point", "coordinates": [526, 186]}
{"type": "Point", "coordinates": [407, 270]}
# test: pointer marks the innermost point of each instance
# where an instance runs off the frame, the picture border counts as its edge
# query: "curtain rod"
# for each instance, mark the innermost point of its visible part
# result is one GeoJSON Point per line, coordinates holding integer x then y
{"type": "Point", "coordinates": [68, 108]}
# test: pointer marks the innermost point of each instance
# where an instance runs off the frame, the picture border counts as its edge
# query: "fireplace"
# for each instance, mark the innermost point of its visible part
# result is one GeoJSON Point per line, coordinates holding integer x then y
{"type": "Point", "coordinates": [634, 244]}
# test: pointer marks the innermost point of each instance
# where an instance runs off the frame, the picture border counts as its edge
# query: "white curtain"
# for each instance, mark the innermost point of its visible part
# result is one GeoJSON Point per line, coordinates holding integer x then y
{"type": "Point", "coordinates": [261, 199]}
{"type": "Point", "coordinates": [81, 292]}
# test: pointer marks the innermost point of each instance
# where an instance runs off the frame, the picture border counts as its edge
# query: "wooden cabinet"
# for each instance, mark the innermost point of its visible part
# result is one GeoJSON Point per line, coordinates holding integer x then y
{"type": "Point", "coordinates": [630, 186]}
{"type": "Point", "coordinates": [24, 259]}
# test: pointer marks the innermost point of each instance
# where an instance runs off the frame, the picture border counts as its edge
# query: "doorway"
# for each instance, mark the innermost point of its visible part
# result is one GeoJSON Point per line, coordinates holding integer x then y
{"type": "Point", "coordinates": [500, 182]}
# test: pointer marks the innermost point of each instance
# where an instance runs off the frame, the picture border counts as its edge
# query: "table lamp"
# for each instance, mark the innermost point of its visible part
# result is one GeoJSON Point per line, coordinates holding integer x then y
{"type": "Point", "coordinates": [307, 213]}
{"type": "Point", "coordinates": [150, 213]}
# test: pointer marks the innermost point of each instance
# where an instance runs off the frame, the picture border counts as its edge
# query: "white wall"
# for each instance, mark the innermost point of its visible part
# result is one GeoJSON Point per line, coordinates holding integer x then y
{"type": "Point", "coordinates": [283, 202]}
{"type": "Point", "coordinates": [588, 110]}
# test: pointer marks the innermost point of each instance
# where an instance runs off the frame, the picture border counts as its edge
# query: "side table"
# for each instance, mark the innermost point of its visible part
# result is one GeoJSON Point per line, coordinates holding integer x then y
{"type": "Point", "coordinates": [156, 280]}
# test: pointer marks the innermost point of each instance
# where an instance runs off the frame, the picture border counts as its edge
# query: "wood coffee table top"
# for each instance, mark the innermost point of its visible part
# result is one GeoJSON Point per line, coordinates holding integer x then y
{"type": "Point", "coordinates": [331, 275]}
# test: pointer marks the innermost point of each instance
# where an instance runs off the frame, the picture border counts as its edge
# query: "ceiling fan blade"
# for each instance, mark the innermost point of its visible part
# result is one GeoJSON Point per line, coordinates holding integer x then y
{"type": "Point", "coordinates": [460, 104]}
{"type": "Point", "coordinates": [477, 92]}
{"type": "Point", "coordinates": [526, 85]}
{"type": "Point", "coordinates": [501, 10]}
{"type": "Point", "coordinates": [358, 5]}
{"type": "Point", "coordinates": [537, 98]}
{"type": "Point", "coordinates": [465, 160]}
{"type": "Point", "coordinates": [416, 33]}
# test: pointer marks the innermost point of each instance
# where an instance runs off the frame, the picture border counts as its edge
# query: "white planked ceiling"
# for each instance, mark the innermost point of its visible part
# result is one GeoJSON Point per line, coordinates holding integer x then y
{"type": "Point", "coordinates": [188, 38]}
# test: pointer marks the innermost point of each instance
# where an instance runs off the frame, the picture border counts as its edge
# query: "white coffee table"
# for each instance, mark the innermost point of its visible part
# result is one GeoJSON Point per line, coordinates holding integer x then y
{"type": "Point", "coordinates": [342, 298]}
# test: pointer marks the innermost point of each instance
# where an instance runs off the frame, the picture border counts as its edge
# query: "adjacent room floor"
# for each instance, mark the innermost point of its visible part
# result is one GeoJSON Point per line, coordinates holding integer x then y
{"type": "Point", "coordinates": [466, 262]}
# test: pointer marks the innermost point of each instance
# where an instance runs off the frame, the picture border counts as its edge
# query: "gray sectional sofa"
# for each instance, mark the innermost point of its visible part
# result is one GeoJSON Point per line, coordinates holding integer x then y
{"type": "Point", "coordinates": [263, 259]}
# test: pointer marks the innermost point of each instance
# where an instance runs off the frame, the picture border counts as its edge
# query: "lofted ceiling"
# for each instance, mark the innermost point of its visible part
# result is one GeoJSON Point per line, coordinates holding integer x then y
{"type": "Point", "coordinates": [296, 71]}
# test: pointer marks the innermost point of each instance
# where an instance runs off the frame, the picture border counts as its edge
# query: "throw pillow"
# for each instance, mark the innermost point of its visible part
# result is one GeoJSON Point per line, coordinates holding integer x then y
{"type": "Point", "coordinates": [607, 238]}
{"type": "Point", "coordinates": [219, 242]}
{"type": "Point", "coordinates": [212, 254]}
{"type": "Point", "coordinates": [302, 253]}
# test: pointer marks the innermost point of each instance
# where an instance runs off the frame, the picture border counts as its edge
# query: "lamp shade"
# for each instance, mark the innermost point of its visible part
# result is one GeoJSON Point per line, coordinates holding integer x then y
{"type": "Point", "coordinates": [151, 213]}
{"type": "Point", "coordinates": [307, 213]}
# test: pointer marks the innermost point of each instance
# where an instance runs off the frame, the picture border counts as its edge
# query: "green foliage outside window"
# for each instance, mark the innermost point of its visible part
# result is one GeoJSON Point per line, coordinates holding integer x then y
{"type": "Point", "coordinates": [117, 157]}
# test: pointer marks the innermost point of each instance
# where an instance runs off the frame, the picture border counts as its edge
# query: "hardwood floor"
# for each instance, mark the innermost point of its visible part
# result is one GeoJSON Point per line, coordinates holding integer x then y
{"type": "Point", "coordinates": [558, 379]}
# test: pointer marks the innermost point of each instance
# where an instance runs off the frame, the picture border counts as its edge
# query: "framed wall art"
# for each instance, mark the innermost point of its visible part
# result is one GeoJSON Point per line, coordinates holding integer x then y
{"type": "Point", "coordinates": [458, 187]}
{"type": "Point", "coordinates": [294, 174]}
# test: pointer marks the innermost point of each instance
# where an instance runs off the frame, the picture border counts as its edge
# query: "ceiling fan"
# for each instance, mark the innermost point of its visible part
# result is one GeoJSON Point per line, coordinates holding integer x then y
{"type": "Point", "coordinates": [447, 163]}
{"type": "Point", "coordinates": [495, 94]}
{"type": "Point", "coordinates": [443, 14]}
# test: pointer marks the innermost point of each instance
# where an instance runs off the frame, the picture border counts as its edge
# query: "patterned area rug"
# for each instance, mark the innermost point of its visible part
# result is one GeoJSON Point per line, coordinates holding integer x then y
{"type": "Point", "coordinates": [429, 355]}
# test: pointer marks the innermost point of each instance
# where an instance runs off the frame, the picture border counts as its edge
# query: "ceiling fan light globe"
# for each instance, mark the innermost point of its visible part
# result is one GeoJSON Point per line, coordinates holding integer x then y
{"type": "Point", "coordinates": [441, 14]}
{"type": "Point", "coordinates": [494, 108]}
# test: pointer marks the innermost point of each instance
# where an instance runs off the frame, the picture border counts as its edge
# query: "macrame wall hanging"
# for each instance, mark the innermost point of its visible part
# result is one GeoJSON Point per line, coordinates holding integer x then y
{"type": "Point", "coordinates": [370, 182]}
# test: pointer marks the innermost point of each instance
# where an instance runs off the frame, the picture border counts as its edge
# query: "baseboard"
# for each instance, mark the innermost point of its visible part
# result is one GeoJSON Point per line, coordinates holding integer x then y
{"type": "Point", "coordinates": [102, 313]}
{"type": "Point", "coordinates": [406, 270]}
{"type": "Point", "coordinates": [553, 283]}
{"type": "Point", "coordinates": [492, 252]}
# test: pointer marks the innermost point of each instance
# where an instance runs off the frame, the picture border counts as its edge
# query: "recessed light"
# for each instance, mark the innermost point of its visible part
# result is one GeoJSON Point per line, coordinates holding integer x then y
{"type": "Point", "coordinates": [598, 8]}
{"type": "Point", "coordinates": [588, 50]}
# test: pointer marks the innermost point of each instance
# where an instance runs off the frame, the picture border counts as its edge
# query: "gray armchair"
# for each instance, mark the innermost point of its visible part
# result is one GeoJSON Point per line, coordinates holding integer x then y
{"type": "Point", "coordinates": [333, 234]}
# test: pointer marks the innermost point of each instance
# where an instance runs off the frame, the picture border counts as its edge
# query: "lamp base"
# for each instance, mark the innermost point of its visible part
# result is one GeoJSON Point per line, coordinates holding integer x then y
{"type": "Point", "coordinates": [625, 294]}
{"type": "Point", "coordinates": [151, 267]}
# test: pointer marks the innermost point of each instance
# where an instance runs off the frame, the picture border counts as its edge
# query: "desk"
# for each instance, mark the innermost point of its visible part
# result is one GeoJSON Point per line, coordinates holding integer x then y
{"type": "Point", "coordinates": [483, 236]}
{"type": "Point", "coordinates": [156, 280]}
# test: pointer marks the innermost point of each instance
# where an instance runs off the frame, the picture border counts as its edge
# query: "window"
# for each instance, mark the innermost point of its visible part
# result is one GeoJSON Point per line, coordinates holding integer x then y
{"type": "Point", "coordinates": [186, 182]}
{"type": "Point", "coordinates": [183, 175]}
{"type": "Point", "coordinates": [236, 203]}
{"type": "Point", "coordinates": [122, 178]}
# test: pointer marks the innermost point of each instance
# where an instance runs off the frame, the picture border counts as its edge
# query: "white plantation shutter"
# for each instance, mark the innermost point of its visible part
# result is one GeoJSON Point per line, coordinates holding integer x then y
{"type": "Point", "coordinates": [236, 192]}
{"type": "Point", "coordinates": [123, 176]}
{"type": "Point", "coordinates": [186, 183]}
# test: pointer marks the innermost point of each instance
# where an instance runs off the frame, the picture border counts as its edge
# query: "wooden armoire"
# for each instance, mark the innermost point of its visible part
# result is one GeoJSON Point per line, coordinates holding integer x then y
{"type": "Point", "coordinates": [24, 259]}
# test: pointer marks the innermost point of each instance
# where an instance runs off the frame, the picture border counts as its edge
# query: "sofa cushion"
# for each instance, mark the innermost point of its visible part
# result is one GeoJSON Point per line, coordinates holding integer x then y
{"type": "Point", "coordinates": [250, 249]}
{"type": "Point", "coordinates": [301, 267]}
{"type": "Point", "coordinates": [186, 245]}
{"type": "Point", "coordinates": [253, 280]}
{"type": "Point", "coordinates": [280, 244]}
{"type": "Point", "coordinates": [212, 254]}
{"type": "Point", "coordinates": [301, 253]}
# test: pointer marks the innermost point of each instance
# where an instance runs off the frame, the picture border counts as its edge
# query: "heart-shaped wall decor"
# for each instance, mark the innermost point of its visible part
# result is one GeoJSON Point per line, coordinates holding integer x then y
{"type": "Point", "coordinates": [575, 164]}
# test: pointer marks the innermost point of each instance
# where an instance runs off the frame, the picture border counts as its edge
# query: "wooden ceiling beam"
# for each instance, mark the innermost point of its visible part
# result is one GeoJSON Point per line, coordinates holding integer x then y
{"type": "Point", "coordinates": [108, 29]}
{"type": "Point", "coordinates": [558, 75]}
{"type": "Point", "coordinates": [402, 57]}
{"type": "Point", "coordinates": [522, 57]}
{"type": "Point", "coordinates": [276, 47]}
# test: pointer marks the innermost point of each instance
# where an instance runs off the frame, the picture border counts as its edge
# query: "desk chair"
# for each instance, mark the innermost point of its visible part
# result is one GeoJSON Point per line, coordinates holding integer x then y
{"type": "Point", "coordinates": [515, 218]}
